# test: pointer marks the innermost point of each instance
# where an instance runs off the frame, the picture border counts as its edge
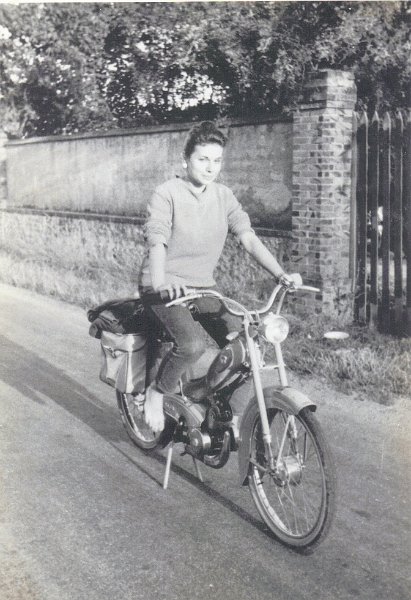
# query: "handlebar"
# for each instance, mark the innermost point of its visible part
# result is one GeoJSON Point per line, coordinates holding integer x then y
{"type": "Point", "coordinates": [307, 288]}
{"type": "Point", "coordinates": [226, 302]}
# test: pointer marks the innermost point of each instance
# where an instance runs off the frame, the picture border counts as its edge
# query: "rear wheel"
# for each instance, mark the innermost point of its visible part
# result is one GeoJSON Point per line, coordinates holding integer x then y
{"type": "Point", "coordinates": [132, 415]}
{"type": "Point", "coordinates": [296, 499]}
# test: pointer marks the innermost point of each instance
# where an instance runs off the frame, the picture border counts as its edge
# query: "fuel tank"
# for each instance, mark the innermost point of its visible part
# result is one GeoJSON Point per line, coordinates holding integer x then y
{"type": "Point", "coordinates": [224, 368]}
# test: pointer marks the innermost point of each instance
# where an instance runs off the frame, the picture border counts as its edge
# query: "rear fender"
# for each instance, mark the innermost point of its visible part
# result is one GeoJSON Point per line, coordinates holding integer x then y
{"type": "Point", "coordinates": [281, 398]}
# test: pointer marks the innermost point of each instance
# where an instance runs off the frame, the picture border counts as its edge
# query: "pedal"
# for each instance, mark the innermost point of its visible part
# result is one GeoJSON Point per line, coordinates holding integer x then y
{"type": "Point", "coordinates": [138, 402]}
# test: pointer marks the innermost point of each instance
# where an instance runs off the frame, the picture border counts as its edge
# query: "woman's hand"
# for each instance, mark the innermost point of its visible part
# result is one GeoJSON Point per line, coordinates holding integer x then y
{"type": "Point", "coordinates": [174, 290]}
{"type": "Point", "coordinates": [290, 280]}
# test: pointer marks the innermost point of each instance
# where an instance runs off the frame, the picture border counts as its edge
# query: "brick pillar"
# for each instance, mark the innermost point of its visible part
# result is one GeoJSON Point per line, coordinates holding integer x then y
{"type": "Point", "coordinates": [3, 171]}
{"type": "Point", "coordinates": [322, 140]}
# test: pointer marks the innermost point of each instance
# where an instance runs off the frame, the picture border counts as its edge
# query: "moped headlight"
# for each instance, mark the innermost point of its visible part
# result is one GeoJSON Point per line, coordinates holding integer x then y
{"type": "Point", "coordinates": [276, 328]}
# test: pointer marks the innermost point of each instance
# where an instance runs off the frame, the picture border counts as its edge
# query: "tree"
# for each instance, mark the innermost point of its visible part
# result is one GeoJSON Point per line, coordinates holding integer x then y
{"type": "Point", "coordinates": [49, 63]}
{"type": "Point", "coordinates": [76, 67]}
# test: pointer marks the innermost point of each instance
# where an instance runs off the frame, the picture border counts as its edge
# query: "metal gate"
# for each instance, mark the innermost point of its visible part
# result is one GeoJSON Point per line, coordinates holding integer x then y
{"type": "Point", "coordinates": [381, 252]}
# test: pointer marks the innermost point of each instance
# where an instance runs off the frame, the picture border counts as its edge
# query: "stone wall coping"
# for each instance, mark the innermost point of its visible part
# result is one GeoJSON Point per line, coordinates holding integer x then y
{"type": "Point", "coordinates": [152, 129]}
{"type": "Point", "coordinates": [326, 104]}
{"type": "Point", "coordinates": [108, 218]}
{"type": "Point", "coordinates": [325, 74]}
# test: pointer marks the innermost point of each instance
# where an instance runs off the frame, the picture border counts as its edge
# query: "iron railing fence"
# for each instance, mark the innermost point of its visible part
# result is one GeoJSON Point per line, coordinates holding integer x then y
{"type": "Point", "coordinates": [381, 220]}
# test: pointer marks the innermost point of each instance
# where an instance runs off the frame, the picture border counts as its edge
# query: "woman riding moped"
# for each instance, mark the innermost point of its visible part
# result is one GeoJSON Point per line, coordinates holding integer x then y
{"type": "Point", "coordinates": [187, 225]}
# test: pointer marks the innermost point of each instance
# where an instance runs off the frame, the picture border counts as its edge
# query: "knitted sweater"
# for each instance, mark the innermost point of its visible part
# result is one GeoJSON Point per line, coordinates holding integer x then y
{"type": "Point", "coordinates": [193, 227]}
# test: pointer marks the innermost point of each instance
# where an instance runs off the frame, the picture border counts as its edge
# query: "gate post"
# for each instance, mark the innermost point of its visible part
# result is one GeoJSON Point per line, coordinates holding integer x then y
{"type": "Point", "coordinates": [322, 188]}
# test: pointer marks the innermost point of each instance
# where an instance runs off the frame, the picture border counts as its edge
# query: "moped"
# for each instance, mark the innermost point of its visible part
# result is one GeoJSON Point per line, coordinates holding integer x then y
{"type": "Point", "coordinates": [237, 405]}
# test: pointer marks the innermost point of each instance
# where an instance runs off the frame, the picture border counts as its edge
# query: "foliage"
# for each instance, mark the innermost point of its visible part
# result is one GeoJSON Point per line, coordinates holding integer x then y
{"type": "Point", "coordinates": [49, 69]}
{"type": "Point", "coordinates": [74, 67]}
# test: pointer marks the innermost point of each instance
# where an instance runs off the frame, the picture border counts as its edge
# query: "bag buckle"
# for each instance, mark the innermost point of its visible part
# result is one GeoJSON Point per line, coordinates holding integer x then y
{"type": "Point", "coordinates": [112, 351]}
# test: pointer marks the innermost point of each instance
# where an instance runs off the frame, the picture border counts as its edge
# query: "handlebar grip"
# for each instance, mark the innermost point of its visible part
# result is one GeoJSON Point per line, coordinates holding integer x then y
{"type": "Point", "coordinates": [308, 288]}
{"type": "Point", "coordinates": [157, 297]}
{"type": "Point", "coordinates": [163, 297]}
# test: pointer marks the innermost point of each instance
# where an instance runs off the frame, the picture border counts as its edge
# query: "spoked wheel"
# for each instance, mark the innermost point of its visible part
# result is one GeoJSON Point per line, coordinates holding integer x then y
{"type": "Point", "coordinates": [132, 415]}
{"type": "Point", "coordinates": [297, 498]}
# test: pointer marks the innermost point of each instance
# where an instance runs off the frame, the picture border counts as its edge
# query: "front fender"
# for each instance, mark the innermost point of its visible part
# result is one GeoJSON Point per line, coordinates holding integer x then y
{"type": "Point", "coordinates": [287, 399]}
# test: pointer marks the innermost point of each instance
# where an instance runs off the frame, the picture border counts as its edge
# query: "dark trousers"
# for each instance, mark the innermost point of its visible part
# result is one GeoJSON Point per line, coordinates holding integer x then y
{"type": "Point", "coordinates": [184, 329]}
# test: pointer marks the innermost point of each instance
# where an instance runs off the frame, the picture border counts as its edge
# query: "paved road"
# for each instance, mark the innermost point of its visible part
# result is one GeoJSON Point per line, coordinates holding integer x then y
{"type": "Point", "coordinates": [83, 515]}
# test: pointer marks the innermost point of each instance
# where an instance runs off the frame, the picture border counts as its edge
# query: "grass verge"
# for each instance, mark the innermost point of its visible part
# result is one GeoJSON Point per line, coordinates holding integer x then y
{"type": "Point", "coordinates": [79, 285]}
{"type": "Point", "coordinates": [368, 363]}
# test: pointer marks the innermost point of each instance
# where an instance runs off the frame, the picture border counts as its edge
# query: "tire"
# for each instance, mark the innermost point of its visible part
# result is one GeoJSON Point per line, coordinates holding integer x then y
{"type": "Point", "coordinates": [297, 502]}
{"type": "Point", "coordinates": [133, 420]}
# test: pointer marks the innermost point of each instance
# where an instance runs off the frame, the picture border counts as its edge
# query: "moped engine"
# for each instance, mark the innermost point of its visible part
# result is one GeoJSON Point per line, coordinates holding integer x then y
{"type": "Point", "coordinates": [211, 442]}
{"type": "Point", "coordinates": [199, 442]}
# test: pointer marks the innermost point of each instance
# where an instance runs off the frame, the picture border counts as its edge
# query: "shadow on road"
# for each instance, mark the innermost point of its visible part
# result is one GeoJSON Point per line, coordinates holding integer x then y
{"type": "Point", "coordinates": [207, 490]}
{"type": "Point", "coordinates": [32, 376]}
{"type": "Point", "coordinates": [29, 374]}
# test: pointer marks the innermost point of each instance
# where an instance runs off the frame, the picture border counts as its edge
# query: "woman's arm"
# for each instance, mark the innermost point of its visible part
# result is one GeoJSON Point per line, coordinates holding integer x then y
{"type": "Point", "coordinates": [262, 255]}
{"type": "Point", "coordinates": [157, 261]}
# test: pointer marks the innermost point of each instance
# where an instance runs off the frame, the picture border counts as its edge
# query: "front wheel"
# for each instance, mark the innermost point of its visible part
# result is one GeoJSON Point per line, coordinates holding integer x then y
{"type": "Point", "coordinates": [296, 499]}
{"type": "Point", "coordinates": [132, 415]}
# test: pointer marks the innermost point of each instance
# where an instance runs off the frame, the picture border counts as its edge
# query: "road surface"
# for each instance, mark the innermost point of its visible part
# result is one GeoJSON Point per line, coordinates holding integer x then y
{"type": "Point", "coordinates": [83, 515]}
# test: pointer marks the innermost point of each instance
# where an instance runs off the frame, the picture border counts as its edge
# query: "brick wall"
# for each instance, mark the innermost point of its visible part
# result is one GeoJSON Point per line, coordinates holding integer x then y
{"type": "Point", "coordinates": [321, 198]}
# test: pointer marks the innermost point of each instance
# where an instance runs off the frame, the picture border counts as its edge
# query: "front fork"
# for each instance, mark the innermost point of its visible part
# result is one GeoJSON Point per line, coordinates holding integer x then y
{"type": "Point", "coordinates": [255, 367]}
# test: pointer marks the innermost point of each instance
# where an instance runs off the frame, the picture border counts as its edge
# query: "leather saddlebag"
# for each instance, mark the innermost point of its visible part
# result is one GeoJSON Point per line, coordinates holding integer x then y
{"type": "Point", "coordinates": [124, 361]}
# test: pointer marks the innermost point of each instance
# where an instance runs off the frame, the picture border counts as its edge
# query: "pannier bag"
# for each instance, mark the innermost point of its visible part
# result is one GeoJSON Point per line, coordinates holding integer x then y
{"type": "Point", "coordinates": [124, 361]}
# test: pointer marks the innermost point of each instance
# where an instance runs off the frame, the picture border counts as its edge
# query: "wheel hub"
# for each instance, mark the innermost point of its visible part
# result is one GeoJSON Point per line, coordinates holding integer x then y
{"type": "Point", "coordinates": [289, 470]}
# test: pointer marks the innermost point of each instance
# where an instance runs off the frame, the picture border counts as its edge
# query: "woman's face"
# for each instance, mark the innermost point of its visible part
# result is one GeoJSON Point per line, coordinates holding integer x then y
{"type": "Point", "coordinates": [204, 164]}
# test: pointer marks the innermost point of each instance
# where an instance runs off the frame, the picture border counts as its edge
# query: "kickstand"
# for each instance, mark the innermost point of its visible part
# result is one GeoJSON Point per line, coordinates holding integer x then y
{"type": "Point", "coordinates": [197, 468]}
{"type": "Point", "coordinates": [168, 465]}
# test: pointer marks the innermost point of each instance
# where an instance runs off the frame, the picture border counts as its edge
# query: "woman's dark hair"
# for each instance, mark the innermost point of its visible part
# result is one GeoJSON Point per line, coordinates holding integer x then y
{"type": "Point", "coordinates": [203, 133]}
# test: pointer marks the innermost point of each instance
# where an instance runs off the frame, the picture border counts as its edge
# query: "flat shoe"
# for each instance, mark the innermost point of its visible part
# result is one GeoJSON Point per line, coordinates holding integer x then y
{"type": "Point", "coordinates": [153, 409]}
